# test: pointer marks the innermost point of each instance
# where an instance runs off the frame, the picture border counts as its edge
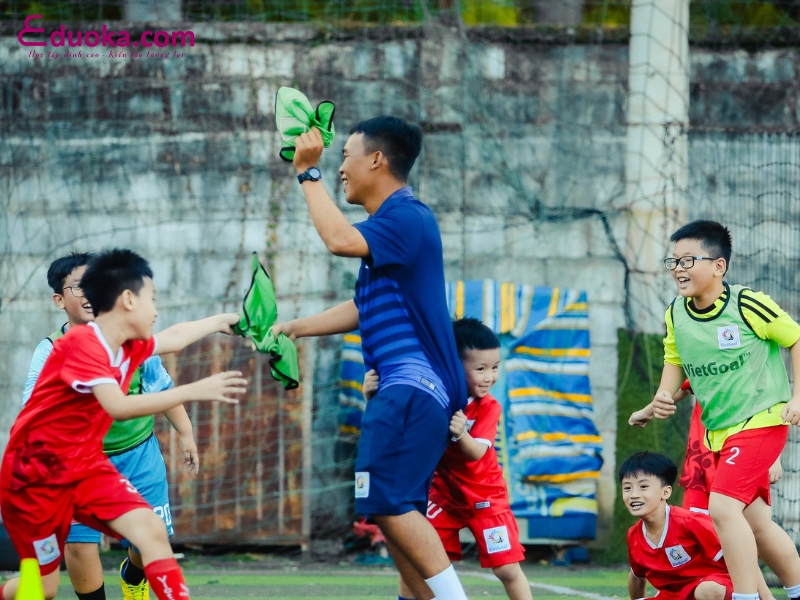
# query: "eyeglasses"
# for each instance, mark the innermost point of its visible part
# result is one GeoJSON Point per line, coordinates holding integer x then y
{"type": "Point", "coordinates": [687, 262]}
{"type": "Point", "coordinates": [76, 290]}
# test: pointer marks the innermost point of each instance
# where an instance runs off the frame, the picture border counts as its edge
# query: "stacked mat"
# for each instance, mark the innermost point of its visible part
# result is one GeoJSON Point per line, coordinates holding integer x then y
{"type": "Point", "coordinates": [547, 442]}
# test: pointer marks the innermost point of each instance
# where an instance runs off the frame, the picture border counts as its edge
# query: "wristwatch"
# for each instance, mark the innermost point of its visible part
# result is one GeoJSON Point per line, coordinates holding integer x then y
{"type": "Point", "coordinates": [310, 174]}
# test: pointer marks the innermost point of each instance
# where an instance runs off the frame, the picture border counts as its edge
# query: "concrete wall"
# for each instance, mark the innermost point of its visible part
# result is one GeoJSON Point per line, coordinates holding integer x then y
{"type": "Point", "coordinates": [177, 158]}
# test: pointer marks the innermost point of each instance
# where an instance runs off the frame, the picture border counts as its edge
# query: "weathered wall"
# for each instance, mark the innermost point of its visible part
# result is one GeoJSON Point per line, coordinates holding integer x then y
{"type": "Point", "coordinates": [177, 158]}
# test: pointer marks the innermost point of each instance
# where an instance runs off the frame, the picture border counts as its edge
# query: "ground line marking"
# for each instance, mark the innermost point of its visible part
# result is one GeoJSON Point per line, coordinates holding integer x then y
{"type": "Point", "coordinates": [544, 586]}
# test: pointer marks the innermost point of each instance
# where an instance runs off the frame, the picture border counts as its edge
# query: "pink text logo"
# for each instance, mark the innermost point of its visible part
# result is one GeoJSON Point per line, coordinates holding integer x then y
{"type": "Point", "coordinates": [106, 37]}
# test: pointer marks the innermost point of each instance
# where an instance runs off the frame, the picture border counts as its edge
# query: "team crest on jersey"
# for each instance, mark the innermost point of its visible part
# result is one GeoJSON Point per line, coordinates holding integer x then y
{"type": "Point", "coordinates": [677, 555]}
{"type": "Point", "coordinates": [496, 539]}
{"type": "Point", "coordinates": [728, 337]}
{"type": "Point", "coordinates": [362, 484]}
{"type": "Point", "coordinates": [47, 550]}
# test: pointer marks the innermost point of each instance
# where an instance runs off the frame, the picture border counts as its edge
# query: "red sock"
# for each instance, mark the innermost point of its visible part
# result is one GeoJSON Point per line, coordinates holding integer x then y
{"type": "Point", "coordinates": [1, 590]}
{"type": "Point", "coordinates": [166, 579]}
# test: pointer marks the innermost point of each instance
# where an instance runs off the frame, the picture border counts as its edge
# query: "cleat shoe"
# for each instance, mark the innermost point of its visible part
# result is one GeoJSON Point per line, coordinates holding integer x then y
{"type": "Point", "coordinates": [133, 592]}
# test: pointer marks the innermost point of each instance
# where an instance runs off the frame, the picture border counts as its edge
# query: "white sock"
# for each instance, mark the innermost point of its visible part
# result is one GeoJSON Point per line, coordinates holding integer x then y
{"type": "Point", "coordinates": [793, 592]}
{"type": "Point", "coordinates": [446, 586]}
{"type": "Point", "coordinates": [744, 596]}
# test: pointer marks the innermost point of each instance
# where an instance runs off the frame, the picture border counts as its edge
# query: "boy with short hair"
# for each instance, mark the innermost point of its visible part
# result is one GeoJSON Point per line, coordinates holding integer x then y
{"type": "Point", "coordinates": [469, 488]}
{"type": "Point", "coordinates": [54, 467]}
{"type": "Point", "coordinates": [675, 549]}
{"type": "Point", "coordinates": [727, 339]}
{"type": "Point", "coordinates": [130, 445]}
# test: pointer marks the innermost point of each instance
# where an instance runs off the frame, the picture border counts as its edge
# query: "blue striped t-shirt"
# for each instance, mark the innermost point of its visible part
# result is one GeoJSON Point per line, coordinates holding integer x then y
{"type": "Point", "coordinates": [406, 331]}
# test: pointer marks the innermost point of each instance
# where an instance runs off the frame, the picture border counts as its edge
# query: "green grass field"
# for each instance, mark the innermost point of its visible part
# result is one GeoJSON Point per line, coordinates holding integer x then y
{"type": "Point", "coordinates": [315, 583]}
{"type": "Point", "coordinates": [245, 576]}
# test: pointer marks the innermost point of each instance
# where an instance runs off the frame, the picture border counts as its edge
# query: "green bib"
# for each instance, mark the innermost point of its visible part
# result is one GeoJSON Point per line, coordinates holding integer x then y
{"type": "Point", "coordinates": [124, 435]}
{"type": "Point", "coordinates": [734, 373]}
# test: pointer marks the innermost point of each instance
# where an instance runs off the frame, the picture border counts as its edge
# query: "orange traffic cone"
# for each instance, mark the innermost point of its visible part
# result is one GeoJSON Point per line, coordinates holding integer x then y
{"type": "Point", "coordinates": [30, 581]}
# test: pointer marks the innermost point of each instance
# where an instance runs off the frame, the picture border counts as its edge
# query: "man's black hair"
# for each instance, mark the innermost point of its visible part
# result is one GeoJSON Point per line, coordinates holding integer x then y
{"type": "Point", "coordinates": [471, 334]}
{"type": "Point", "coordinates": [714, 237]}
{"type": "Point", "coordinates": [60, 269]}
{"type": "Point", "coordinates": [109, 274]}
{"type": "Point", "coordinates": [649, 463]}
{"type": "Point", "coordinates": [399, 140]}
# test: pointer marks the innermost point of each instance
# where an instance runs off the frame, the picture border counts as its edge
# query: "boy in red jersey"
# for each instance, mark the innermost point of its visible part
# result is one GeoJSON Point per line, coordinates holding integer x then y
{"type": "Point", "coordinates": [676, 550]}
{"type": "Point", "coordinates": [468, 487]}
{"type": "Point", "coordinates": [54, 468]}
{"type": "Point", "coordinates": [699, 466]}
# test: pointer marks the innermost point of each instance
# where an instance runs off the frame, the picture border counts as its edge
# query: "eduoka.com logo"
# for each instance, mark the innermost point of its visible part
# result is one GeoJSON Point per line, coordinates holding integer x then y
{"type": "Point", "coordinates": [106, 37]}
{"type": "Point", "coordinates": [714, 368]}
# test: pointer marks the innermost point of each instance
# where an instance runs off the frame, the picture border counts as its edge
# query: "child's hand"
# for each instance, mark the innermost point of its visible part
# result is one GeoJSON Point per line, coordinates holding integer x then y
{"type": "Point", "coordinates": [226, 320]}
{"type": "Point", "coordinates": [285, 329]}
{"type": "Point", "coordinates": [791, 412]}
{"type": "Point", "coordinates": [191, 460]}
{"type": "Point", "coordinates": [776, 471]}
{"type": "Point", "coordinates": [663, 405]}
{"type": "Point", "coordinates": [220, 387]}
{"type": "Point", "coordinates": [458, 425]}
{"type": "Point", "coordinates": [370, 387]}
{"type": "Point", "coordinates": [641, 417]}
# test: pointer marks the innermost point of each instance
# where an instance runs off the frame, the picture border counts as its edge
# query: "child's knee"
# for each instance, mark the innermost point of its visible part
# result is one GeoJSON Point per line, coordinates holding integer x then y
{"type": "Point", "coordinates": [80, 551]}
{"type": "Point", "coordinates": [50, 584]}
{"type": "Point", "coordinates": [156, 531]}
{"type": "Point", "coordinates": [709, 590]}
{"type": "Point", "coordinates": [507, 573]}
{"type": "Point", "coordinates": [723, 509]}
{"type": "Point", "coordinates": [150, 532]}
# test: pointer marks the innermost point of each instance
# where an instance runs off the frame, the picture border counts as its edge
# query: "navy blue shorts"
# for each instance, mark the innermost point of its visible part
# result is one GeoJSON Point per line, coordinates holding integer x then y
{"type": "Point", "coordinates": [404, 433]}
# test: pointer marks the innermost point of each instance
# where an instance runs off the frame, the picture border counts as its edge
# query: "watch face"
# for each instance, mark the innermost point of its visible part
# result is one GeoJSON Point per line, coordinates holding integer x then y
{"type": "Point", "coordinates": [315, 172]}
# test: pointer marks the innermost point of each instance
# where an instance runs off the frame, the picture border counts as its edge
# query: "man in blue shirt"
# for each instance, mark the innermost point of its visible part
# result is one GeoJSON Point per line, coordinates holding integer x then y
{"type": "Point", "coordinates": [400, 307]}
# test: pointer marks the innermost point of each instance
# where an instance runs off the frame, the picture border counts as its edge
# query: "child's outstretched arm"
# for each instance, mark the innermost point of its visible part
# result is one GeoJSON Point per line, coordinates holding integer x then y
{"type": "Point", "coordinates": [218, 388]}
{"type": "Point", "coordinates": [791, 411]}
{"type": "Point", "coordinates": [181, 423]}
{"type": "Point", "coordinates": [177, 337]}
{"type": "Point", "coordinates": [640, 417]}
{"type": "Point", "coordinates": [671, 378]}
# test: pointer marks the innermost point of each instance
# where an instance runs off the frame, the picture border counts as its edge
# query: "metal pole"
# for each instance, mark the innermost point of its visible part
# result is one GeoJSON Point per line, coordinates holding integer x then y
{"type": "Point", "coordinates": [308, 406]}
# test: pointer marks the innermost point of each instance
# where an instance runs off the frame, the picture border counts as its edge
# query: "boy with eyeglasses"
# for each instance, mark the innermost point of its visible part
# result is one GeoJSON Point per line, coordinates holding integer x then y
{"type": "Point", "coordinates": [130, 445]}
{"type": "Point", "coordinates": [727, 339]}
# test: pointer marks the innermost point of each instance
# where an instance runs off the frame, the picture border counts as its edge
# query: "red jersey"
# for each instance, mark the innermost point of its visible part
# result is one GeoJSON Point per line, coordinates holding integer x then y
{"type": "Point", "coordinates": [698, 466]}
{"type": "Point", "coordinates": [688, 551]}
{"type": "Point", "coordinates": [472, 488]}
{"type": "Point", "coordinates": [58, 435]}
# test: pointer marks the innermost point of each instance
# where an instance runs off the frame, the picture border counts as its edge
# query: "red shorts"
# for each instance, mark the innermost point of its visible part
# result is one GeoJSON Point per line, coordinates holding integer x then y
{"type": "Point", "coordinates": [695, 500]}
{"type": "Point", "coordinates": [744, 461]}
{"type": "Point", "coordinates": [497, 536]}
{"type": "Point", "coordinates": [687, 593]}
{"type": "Point", "coordinates": [37, 518]}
